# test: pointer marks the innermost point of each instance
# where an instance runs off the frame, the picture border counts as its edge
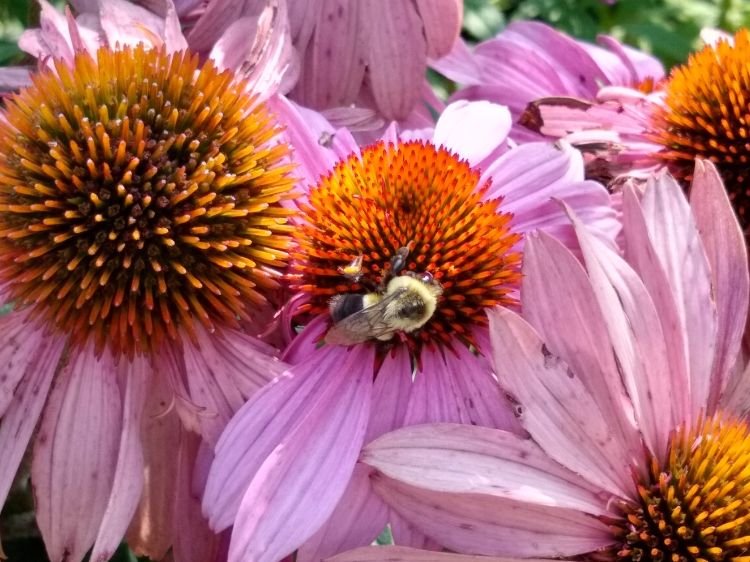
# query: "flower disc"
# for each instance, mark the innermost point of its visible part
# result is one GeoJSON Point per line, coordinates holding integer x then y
{"type": "Point", "coordinates": [139, 194]}
{"type": "Point", "coordinates": [411, 194]}
{"type": "Point", "coordinates": [707, 115]}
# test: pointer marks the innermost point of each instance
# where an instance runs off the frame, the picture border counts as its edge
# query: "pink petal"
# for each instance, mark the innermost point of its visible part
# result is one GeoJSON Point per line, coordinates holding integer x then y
{"type": "Point", "coordinates": [395, 52]}
{"type": "Point", "coordinates": [150, 532]}
{"type": "Point", "coordinates": [458, 387]}
{"type": "Point", "coordinates": [464, 459]}
{"type": "Point", "coordinates": [193, 539]}
{"type": "Point", "coordinates": [406, 534]}
{"type": "Point", "coordinates": [51, 39]}
{"type": "Point", "coordinates": [677, 243]}
{"type": "Point", "coordinates": [125, 23]}
{"type": "Point", "coordinates": [75, 455]}
{"type": "Point", "coordinates": [442, 24]}
{"type": "Point", "coordinates": [391, 392]}
{"type": "Point", "coordinates": [29, 394]}
{"type": "Point", "coordinates": [219, 15]}
{"type": "Point", "coordinates": [642, 255]}
{"type": "Point", "coordinates": [302, 479]}
{"type": "Point", "coordinates": [473, 130]}
{"type": "Point", "coordinates": [223, 372]}
{"type": "Point", "coordinates": [725, 249]}
{"type": "Point", "coordinates": [358, 519]}
{"type": "Point", "coordinates": [556, 295]}
{"type": "Point", "coordinates": [403, 554]}
{"type": "Point", "coordinates": [268, 419]}
{"type": "Point", "coordinates": [333, 65]}
{"type": "Point", "coordinates": [128, 476]}
{"type": "Point", "coordinates": [258, 47]}
{"type": "Point", "coordinates": [489, 525]}
{"type": "Point", "coordinates": [641, 65]}
{"type": "Point", "coordinates": [460, 64]}
{"type": "Point", "coordinates": [556, 408]}
{"type": "Point", "coordinates": [637, 339]}
{"type": "Point", "coordinates": [14, 77]}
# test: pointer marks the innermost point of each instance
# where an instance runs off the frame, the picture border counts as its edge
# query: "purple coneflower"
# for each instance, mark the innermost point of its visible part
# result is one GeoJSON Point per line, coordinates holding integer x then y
{"type": "Point", "coordinates": [285, 473]}
{"type": "Point", "coordinates": [531, 60]}
{"type": "Point", "coordinates": [141, 229]}
{"type": "Point", "coordinates": [620, 372]}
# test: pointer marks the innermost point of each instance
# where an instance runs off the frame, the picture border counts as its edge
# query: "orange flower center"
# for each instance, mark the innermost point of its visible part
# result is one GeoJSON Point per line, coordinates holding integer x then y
{"type": "Point", "coordinates": [707, 114]}
{"type": "Point", "coordinates": [138, 195]}
{"type": "Point", "coordinates": [416, 196]}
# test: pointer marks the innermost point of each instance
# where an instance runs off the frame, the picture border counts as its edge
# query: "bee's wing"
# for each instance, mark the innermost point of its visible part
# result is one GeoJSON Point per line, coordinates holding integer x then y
{"type": "Point", "coordinates": [367, 324]}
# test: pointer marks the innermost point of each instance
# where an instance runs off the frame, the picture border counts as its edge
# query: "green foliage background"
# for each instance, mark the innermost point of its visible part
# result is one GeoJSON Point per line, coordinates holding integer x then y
{"type": "Point", "coordinates": [667, 28]}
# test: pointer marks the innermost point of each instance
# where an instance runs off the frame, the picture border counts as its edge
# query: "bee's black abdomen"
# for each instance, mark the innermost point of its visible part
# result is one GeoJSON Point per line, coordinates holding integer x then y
{"type": "Point", "coordinates": [345, 305]}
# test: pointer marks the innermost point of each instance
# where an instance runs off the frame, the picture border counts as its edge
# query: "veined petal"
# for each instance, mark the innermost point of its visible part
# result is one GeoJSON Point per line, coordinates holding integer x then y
{"type": "Point", "coordinates": [458, 387]}
{"type": "Point", "coordinates": [725, 249]}
{"type": "Point", "coordinates": [403, 554]}
{"type": "Point", "coordinates": [75, 454]}
{"type": "Point", "coordinates": [556, 408]}
{"type": "Point", "coordinates": [637, 338]}
{"type": "Point", "coordinates": [358, 519]}
{"type": "Point", "coordinates": [334, 60]}
{"type": "Point", "coordinates": [14, 77]}
{"type": "Point", "coordinates": [128, 478]}
{"type": "Point", "coordinates": [472, 129]}
{"type": "Point", "coordinates": [641, 254]}
{"type": "Point", "coordinates": [559, 302]}
{"type": "Point", "coordinates": [396, 56]}
{"type": "Point", "coordinates": [404, 533]}
{"type": "Point", "coordinates": [442, 24]}
{"type": "Point", "coordinates": [459, 458]}
{"type": "Point", "coordinates": [676, 241]}
{"type": "Point", "coordinates": [301, 480]}
{"type": "Point", "coordinates": [490, 525]}
{"type": "Point", "coordinates": [391, 391]}
{"type": "Point", "coordinates": [125, 23]}
{"type": "Point", "coordinates": [29, 394]}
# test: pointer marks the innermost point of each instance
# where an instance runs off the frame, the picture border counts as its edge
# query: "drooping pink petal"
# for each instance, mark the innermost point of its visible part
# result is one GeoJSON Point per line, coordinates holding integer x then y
{"type": "Point", "coordinates": [533, 176]}
{"type": "Point", "coordinates": [458, 386]}
{"type": "Point", "coordinates": [333, 64]}
{"type": "Point", "coordinates": [641, 254]}
{"type": "Point", "coordinates": [494, 526]}
{"type": "Point", "coordinates": [395, 54]}
{"type": "Point", "coordinates": [75, 454]}
{"type": "Point", "coordinates": [459, 64]}
{"type": "Point", "coordinates": [150, 532]}
{"type": "Point", "coordinates": [391, 392]}
{"type": "Point", "coordinates": [406, 534]}
{"type": "Point", "coordinates": [404, 554]}
{"type": "Point", "coordinates": [463, 459]}
{"type": "Point", "coordinates": [301, 480]}
{"type": "Point", "coordinates": [268, 419]}
{"type": "Point", "coordinates": [556, 408]}
{"type": "Point", "coordinates": [258, 47]}
{"type": "Point", "coordinates": [442, 24]}
{"type": "Point", "coordinates": [557, 296]}
{"type": "Point", "coordinates": [128, 477]}
{"type": "Point", "coordinates": [637, 338]}
{"type": "Point", "coordinates": [223, 372]}
{"type": "Point", "coordinates": [358, 519]}
{"type": "Point", "coordinates": [472, 129]}
{"type": "Point", "coordinates": [52, 37]}
{"type": "Point", "coordinates": [641, 65]}
{"type": "Point", "coordinates": [676, 241]}
{"type": "Point", "coordinates": [193, 539]}
{"type": "Point", "coordinates": [14, 77]}
{"type": "Point", "coordinates": [725, 249]}
{"type": "Point", "coordinates": [27, 395]}
{"type": "Point", "coordinates": [125, 23]}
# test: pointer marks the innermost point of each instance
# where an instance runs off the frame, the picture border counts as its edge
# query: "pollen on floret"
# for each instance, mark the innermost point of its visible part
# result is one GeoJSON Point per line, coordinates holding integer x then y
{"type": "Point", "coordinates": [140, 195]}
{"type": "Point", "coordinates": [416, 195]}
{"type": "Point", "coordinates": [695, 505]}
{"type": "Point", "coordinates": [706, 114]}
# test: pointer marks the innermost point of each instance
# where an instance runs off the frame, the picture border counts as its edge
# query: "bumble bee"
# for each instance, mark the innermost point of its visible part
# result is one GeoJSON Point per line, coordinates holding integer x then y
{"type": "Point", "coordinates": [403, 303]}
